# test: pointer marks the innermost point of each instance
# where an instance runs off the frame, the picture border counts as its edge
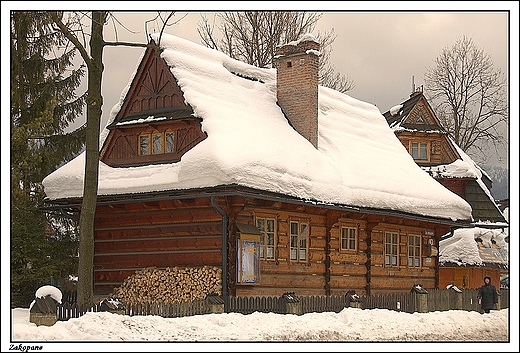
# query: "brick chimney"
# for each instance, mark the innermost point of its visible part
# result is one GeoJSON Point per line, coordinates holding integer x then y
{"type": "Point", "coordinates": [297, 85]}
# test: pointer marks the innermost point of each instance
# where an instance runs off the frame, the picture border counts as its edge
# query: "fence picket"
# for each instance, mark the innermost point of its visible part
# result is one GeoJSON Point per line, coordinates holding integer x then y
{"type": "Point", "coordinates": [438, 300]}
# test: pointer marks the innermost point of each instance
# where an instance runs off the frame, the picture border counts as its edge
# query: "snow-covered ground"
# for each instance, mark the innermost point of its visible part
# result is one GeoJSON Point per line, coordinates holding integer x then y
{"type": "Point", "coordinates": [232, 331]}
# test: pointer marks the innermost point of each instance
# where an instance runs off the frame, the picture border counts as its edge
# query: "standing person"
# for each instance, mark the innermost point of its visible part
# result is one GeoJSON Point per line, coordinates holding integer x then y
{"type": "Point", "coordinates": [488, 295]}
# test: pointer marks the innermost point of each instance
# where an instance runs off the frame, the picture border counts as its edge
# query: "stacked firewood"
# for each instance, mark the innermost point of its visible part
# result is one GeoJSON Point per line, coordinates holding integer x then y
{"type": "Point", "coordinates": [170, 285]}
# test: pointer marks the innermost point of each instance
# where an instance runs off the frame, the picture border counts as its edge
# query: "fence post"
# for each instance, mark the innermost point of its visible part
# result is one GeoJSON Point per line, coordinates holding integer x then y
{"type": "Point", "coordinates": [44, 311]}
{"type": "Point", "coordinates": [421, 296]}
{"type": "Point", "coordinates": [293, 304]}
{"type": "Point", "coordinates": [216, 303]}
{"type": "Point", "coordinates": [354, 301]}
{"type": "Point", "coordinates": [455, 293]}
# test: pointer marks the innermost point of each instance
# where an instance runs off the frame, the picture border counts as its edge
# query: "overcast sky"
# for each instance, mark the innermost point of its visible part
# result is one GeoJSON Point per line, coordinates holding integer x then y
{"type": "Point", "coordinates": [380, 51]}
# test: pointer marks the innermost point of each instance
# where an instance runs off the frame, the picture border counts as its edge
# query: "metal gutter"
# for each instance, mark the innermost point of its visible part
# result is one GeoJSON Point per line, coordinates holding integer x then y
{"type": "Point", "coordinates": [224, 250]}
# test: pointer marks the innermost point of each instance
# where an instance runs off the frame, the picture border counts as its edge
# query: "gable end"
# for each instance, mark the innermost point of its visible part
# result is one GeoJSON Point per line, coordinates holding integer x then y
{"type": "Point", "coordinates": [153, 91]}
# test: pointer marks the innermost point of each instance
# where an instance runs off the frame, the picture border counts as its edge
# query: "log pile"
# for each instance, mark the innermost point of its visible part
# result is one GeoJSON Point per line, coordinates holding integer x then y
{"type": "Point", "coordinates": [170, 285]}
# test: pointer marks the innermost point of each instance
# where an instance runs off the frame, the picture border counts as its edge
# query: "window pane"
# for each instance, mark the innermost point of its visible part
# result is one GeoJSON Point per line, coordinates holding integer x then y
{"type": "Point", "coordinates": [157, 143]}
{"type": "Point", "coordinates": [424, 151]}
{"type": "Point", "coordinates": [302, 254]}
{"type": "Point", "coordinates": [294, 241]}
{"type": "Point", "coordinates": [143, 144]}
{"type": "Point", "coordinates": [170, 142]}
{"type": "Point", "coordinates": [352, 244]}
{"type": "Point", "coordinates": [270, 225]}
{"type": "Point", "coordinates": [260, 223]}
{"type": "Point", "coordinates": [270, 253]}
{"type": "Point", "coordinates": [415, 150]}
{"type": "Point", "coordinates": [410, 261]}
{"type": "Point", "coordinates": [294, 228]}
{"type": "Point", "coordinates": [303, 231]}
{"type": "Point", "coordinates": [293, 253]}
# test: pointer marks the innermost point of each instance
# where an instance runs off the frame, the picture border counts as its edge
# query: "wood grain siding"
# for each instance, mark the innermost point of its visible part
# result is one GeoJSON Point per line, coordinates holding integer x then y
{"type": "Point", "coordinates": [385, 279]}
{"type": "Point", "coordinates": [122, 146]}
{"type": "Point", "coordinates": [188, 233]}
{"type": "Point", "coordinates": [132, 236]}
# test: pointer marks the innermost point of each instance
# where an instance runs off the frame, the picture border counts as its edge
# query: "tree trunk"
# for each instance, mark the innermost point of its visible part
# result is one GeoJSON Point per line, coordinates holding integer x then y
{"type": "Point", "coordinates": [88, 207]}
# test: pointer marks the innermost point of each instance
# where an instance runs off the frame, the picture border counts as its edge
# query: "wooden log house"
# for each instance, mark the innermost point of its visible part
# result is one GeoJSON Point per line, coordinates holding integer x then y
{"type": "Point", "coordinates": [267, 239]}
{"type": "Point", "coordinates": [421, 133]}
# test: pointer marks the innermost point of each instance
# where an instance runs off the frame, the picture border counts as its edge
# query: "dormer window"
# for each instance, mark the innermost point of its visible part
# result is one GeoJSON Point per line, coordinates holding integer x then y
{"type": "Point", "coordinates": [157, 143]}
{"type": "Point", "coordinates": [144, 144]}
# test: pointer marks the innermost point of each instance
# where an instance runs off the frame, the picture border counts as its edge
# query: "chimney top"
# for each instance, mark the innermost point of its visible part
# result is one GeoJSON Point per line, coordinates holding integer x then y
{"type": "Point", "coordinates": [297, 85]}
{"type": "Point", "coordinates": [303, 45]}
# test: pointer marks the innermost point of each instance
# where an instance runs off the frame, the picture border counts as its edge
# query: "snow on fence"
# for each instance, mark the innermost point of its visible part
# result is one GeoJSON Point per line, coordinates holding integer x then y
{"type": "Point", "coordinates": [436, 299]}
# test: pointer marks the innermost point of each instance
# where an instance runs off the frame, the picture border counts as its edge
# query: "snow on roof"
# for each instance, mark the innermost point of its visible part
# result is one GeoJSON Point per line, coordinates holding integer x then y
{"type": "Point", "coordinates": [395, 109]}
{"type": "Point", "coordinates": [462, 249]}
{"type": "Point", "coordinates": [46, 290]}
{"type": "Point", "coordinates": [359, 161]}
{"type": "Point", "coordinates": [464, 167]}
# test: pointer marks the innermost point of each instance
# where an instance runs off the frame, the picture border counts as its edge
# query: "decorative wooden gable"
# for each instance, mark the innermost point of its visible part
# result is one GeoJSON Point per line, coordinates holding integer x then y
{"type": "Point", "coordinates": [421, 117]}
{"type": "Point", "coordinates": [153, 90]}
{"type": "Point", "coordinates": [421, 132]}
{"type": "Point", "coordinates": [154, 124]}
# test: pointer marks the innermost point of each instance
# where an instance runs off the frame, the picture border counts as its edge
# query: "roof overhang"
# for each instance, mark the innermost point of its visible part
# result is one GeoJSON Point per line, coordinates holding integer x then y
{"type": "Point", "coordinates": [71, 204]}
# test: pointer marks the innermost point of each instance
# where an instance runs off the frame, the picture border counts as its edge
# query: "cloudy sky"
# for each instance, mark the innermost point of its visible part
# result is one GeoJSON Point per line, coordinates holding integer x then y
{"type": "Point", "coordinates": [381, 48]}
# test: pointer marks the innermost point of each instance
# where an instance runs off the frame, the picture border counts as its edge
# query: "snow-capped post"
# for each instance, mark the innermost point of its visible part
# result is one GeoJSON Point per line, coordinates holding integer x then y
{"type": "Point", "coordinates": [292, 303]}
{"type": "Point", "coordinates": [455, 297]}
{"type": "Point", "coordinates": [216, 303]}
{"type": "Point", "coordinates": [43, 310]}
{"type": "Point", "coordinates": [353, 300]}
{"type": "Point", "coordinates": [421, 296]}
{"type": "Point", "coordinates": [297, 84]}
{"type": "Point", "coordinates": [113, 306]}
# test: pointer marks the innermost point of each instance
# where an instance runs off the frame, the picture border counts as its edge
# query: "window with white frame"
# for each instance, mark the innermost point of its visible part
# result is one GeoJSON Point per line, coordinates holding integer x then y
{"type": "Point", "coordinates": [391, 248]}
{"type": "Point", "coordinates": [414, 250]}
{"type": "Point", "coordinates": [299, 240]}
{"type": "Point", "coordinates": [348, 238]}
{"type": "Point", "coordinates": [267, 237]}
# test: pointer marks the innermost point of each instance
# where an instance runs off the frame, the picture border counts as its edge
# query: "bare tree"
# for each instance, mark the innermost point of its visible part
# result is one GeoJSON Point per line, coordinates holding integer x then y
{"type": "Point", "coordinates": [469, 95]}
{"type": "Point", "coordinates": [253, 37]}
{"type": "Point", "coordinates": [90, 46]}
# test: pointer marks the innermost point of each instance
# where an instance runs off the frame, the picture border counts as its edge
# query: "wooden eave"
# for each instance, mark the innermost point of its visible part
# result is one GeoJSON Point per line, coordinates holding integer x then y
{"type": "Point", "coordinates": [237, 190]}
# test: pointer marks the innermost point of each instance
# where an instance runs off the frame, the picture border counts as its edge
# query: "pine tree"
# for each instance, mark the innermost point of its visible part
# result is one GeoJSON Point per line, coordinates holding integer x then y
{"type": "Point", "coordinates": [43, 104]}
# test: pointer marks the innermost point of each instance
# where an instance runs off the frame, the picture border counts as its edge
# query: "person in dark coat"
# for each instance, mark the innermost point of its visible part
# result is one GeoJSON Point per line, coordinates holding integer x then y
{"type": "Point", "coordinates": [488, 295]}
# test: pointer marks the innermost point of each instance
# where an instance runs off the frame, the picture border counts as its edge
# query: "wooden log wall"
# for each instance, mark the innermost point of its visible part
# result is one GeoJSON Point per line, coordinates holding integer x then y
{"type": "Point", "coordinates": [188, 233]}
{"type": "Point", "coordinates": [388, 279]}
{"type": "Point", "coordinates": [470, 277]}
{"type": "Point", "coordinates": [361, 269]}
{"type": "Point", "coordinates": [168, 233]}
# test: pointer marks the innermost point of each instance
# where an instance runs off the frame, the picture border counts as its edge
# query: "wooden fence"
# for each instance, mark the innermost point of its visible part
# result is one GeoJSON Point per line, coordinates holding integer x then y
{"type": "Point", "coordinates": [436, 299]}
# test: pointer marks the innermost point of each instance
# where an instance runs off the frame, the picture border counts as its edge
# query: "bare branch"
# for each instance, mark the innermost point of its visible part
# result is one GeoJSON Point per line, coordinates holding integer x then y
{"type": "Point", "coordinates": [469, 95]}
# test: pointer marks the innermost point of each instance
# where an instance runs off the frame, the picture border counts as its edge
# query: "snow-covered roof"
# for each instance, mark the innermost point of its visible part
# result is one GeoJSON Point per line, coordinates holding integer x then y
{"type": "Point", "coordinates": [462, 248]}
{"type": "Point", "coordinates": [465, 167]}
{"type": "Point", "coordinates": [359, 161]}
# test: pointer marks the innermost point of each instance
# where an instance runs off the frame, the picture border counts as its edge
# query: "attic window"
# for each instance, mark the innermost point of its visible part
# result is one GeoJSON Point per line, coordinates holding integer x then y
{"type": "Point", "coordinates": [157, 143]}
{"type": "Point", "coordinates": [419, 150]}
